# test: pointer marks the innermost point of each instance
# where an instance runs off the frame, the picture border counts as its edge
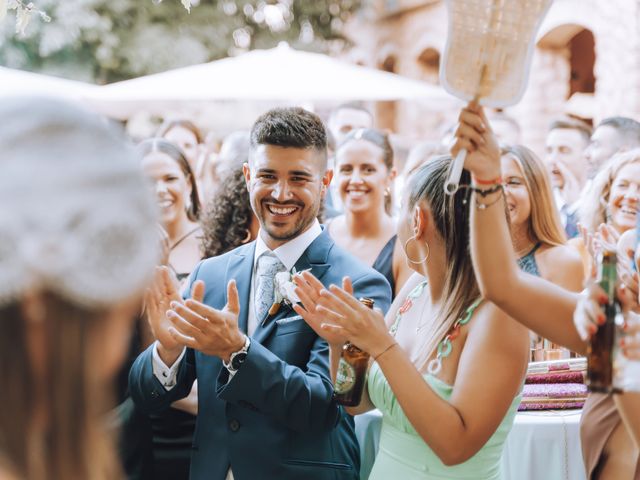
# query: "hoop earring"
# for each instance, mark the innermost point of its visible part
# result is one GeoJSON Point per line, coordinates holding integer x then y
{"type": "Point", "coordinates": [387, 192]}
{"type": "Point", "coordinates": [418, 262]}
{"type": "Point", "coordinates": [247, 238]}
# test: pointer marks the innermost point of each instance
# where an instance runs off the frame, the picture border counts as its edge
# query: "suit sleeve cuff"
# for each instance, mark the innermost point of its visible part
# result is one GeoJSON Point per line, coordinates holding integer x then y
{"type": "Point", "coordinates": [166, 375]}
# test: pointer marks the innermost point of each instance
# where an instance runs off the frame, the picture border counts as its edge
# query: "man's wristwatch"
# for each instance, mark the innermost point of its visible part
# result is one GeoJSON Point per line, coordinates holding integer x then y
{"type": "Point", "coordinates": [237, 358]}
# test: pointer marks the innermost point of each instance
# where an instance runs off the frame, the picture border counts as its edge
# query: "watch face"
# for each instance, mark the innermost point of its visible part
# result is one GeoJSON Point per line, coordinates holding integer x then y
{"type": "Point", "coordinates": [238, 360]}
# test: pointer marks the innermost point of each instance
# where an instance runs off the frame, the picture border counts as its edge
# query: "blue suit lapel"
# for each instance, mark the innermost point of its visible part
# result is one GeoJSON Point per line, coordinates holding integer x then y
{"type": "Point", "coordinates": [315, 259]}
{"type": "Point", "coordinates": [241, 269]}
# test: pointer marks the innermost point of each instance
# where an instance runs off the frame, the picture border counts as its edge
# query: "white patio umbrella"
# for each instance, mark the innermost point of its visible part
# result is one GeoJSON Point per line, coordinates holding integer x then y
{"type": "Point", "coordinates": [18, 82]}
{"type": "Point", "coordinates": [280, 74]}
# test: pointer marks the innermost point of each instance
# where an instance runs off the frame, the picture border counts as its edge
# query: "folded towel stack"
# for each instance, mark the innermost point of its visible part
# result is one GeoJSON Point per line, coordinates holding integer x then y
{"type": "Point", "coordinates": [555, 385]}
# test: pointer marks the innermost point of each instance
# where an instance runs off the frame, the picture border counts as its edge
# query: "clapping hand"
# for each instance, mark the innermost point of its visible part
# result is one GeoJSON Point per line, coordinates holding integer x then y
{"type": "Point", "coordinates": [336, 315]}
{"type": "Point", "coordinates": [158, 297]}
{"type": "Point", "coordinates": [205, 329]}
{"type": "Point", "coordinates": [308, 290]}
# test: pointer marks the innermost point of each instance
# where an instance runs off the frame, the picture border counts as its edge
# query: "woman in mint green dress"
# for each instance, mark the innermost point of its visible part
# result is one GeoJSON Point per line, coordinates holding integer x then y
{"type": "Point", "coordinates": [447, 367]}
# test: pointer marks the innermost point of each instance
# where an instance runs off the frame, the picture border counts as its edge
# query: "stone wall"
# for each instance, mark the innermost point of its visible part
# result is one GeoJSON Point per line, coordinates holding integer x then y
{"type": "Point", "coordinates": [399, 40]}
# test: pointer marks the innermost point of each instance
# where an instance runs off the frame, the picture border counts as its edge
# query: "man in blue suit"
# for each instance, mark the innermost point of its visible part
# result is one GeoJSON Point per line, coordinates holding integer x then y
{"type": "Point", "coordinates": [265, 406]}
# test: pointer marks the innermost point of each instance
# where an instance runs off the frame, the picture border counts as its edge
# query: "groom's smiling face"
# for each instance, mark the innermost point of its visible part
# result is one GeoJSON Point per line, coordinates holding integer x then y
{"type": "Point", "coordinates": [286, 186]}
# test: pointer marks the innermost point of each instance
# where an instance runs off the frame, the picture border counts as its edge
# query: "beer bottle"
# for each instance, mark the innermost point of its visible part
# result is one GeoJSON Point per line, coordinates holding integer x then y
{"type": "Point", "coordinates": [601, 348]}
{"type": "Point", "coordinates": [352, 371]}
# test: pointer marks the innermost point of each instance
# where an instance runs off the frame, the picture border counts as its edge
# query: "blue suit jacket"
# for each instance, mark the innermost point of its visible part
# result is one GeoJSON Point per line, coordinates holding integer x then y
{"type": "Point", "coordinates": [276, 418]}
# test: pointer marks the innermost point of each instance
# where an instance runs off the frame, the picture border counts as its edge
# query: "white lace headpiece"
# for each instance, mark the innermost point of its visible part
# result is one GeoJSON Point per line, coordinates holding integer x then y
{"type": "Point", "coordinates": [76, 215]}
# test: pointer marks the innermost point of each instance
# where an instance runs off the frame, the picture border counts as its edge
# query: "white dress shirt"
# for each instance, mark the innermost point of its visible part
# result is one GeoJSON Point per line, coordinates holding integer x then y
{"type": "Point", "coordinates": [288, 253]}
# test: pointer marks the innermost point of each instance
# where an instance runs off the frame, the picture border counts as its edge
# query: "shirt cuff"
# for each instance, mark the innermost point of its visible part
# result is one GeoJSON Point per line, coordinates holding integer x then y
{"type": "Point", "coordinates": [165, 375]}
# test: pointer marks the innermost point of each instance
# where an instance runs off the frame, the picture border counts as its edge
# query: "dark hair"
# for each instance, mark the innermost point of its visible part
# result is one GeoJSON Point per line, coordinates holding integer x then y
{"type": "Point", "coordinates": [376, 137]}
{"type": "Point", "coordinates": [292, 127]}
{"type": "Point", "coordinates": [572, 124]}
{"type": "Point", "coordinates": [186, 124]}
{"type": "Point", "coordinates": [451, 217]}
{"type": "Point", "coordinates": [175, 153]}
{"type": "Point", "coordinates": [227, 219]}
{"type": "Point", "coordinates": [628, 128]}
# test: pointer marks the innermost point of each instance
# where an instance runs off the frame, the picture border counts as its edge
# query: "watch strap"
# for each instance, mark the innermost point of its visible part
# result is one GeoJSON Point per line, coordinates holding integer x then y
{"type": "Point", "coordinates": [244, 350]}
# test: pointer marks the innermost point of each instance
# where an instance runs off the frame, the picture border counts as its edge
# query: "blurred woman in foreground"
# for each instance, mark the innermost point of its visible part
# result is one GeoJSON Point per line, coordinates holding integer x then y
{"type": "Point", "coordinates": [77, 250]}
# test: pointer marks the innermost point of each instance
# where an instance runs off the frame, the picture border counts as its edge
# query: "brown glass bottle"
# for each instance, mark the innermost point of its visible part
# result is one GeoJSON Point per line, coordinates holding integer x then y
{"type": "Point", "coordinates": [352, 371]}
{"type": "Point", "coordinates": [600, 350]}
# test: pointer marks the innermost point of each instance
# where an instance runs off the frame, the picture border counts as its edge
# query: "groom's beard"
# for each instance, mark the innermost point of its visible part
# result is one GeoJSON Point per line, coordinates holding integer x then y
{"type": "Point", "coordinates": [284, 228]}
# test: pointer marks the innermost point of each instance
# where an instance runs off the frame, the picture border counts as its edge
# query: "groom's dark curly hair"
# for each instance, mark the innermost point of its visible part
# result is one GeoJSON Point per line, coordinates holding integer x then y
{"type": "Point", "coordinates": [292, 127]}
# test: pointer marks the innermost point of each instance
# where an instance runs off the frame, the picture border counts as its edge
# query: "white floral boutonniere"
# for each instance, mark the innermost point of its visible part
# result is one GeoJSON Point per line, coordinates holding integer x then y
{"type": "Point", "coordinates": [284, 293]}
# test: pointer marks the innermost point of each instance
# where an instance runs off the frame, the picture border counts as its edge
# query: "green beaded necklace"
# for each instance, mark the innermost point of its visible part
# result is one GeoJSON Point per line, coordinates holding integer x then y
{"type": "Point", "coordinates": [445, 346]}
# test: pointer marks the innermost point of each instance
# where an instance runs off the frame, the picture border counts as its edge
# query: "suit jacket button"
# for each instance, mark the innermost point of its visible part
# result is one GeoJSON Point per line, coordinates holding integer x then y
{"type": "Point", "coordinates": [234, 425]}
{"type": "Point", "coordinates": [155, 394]}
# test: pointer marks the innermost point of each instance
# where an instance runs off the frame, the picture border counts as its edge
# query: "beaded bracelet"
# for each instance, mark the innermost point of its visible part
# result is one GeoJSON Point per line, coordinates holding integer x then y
{"type": "Point", "coordinates": [485, 193]}
{"type": "Point", "coordinates": [484, 206]}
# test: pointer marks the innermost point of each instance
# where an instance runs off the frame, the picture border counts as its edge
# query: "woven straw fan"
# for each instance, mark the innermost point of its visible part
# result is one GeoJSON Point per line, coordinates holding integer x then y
{"type": "Point", "coordinates": [488, 55]}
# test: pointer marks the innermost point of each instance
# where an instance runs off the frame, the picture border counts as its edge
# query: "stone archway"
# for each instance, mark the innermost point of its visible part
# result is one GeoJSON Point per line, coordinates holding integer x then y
{"type": "Point", "coordinates": [429, 64]}
{"type": "Point", "coordinates": [575, 44]}
{"type": "Point", "coordinates": [563, 65]}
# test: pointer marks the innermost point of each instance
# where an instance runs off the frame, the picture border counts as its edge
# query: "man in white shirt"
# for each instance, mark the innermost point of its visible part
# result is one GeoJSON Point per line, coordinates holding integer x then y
{"type": "Point", "coordinates": [565, 145]}
{"type": "Point", "coordinates": [265, 396]}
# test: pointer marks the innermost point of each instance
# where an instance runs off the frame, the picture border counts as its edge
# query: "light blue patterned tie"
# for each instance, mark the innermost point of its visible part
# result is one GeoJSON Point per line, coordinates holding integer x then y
{"type": "Point", "coordinates": [268, 266]}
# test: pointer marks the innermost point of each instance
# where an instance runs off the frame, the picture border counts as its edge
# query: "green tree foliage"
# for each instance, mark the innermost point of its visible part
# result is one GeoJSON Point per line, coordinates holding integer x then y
{"type": "Point", "coordinates": [109, 40]}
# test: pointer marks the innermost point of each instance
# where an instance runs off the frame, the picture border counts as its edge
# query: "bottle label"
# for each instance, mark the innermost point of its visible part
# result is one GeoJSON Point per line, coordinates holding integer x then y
{"type": "Point", "coordinates": [345, 377]}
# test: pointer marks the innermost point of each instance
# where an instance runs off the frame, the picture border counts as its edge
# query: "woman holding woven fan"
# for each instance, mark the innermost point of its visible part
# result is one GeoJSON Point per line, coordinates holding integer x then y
{"type": "Point", "coordinates": [448, 366]}
{"type": "Point", "coordinates": [608, 449]}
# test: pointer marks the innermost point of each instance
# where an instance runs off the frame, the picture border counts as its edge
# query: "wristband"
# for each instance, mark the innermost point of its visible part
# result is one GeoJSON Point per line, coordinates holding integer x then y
{"type": "Point", "coordinates": [487, 182]}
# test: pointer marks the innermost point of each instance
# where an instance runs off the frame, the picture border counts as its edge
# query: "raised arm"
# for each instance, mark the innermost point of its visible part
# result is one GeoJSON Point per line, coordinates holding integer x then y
{"type": "Point", "coordinates": [536, 303]}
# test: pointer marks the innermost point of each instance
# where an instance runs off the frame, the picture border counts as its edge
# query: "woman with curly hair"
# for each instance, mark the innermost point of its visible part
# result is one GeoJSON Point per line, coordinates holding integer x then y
{"type": "Point", "coordinates": [229, 221]}
{"type": "Point", "coordinates": [610, 207]}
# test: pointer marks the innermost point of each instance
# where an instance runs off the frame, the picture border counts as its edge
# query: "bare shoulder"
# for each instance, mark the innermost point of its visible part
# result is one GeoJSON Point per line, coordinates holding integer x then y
{"type": "Point", "coordinates": [493, 321]}
{"type": "Point", "coordinates": [496, 338]}
{"type": "Point", "coordinates": [563, 266]}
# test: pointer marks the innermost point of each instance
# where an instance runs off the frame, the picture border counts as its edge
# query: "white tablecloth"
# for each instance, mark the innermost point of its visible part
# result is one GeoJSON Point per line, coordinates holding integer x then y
{"type": "Point", "coordinates": [541, 445]}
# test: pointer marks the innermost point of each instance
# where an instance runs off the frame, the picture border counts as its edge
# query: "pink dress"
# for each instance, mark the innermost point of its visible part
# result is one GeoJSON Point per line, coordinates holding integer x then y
{"type": "Point", "coordinates": [600, 418]}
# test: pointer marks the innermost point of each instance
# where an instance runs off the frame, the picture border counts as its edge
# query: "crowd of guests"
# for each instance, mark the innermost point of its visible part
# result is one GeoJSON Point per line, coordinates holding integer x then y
{"type": "Point", "coordinates": [235, 293]}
